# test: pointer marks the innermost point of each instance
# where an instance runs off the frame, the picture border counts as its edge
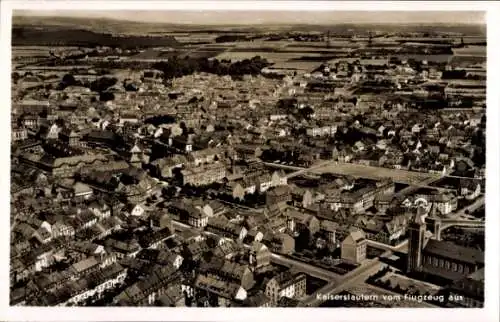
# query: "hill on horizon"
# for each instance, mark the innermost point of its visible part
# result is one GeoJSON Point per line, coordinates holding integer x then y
{"type": "Point", "coordinates": [107, 25]}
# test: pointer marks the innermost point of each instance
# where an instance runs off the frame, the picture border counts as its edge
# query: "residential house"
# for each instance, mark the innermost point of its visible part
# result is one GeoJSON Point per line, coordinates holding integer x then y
{"type": "Point", "coordinates": [94, 284]}
{"type": "Point", "coordinates": [172, 297]}
{"type": "Point", "coordinates": [281, 243]}
{"type": "Point", "coordinates": [217, 293]}
{"type": "Point", "coordinates": [280, 194]}
{"type": "Point", "coordinates": [259, 256]}
{"type": "Point", "coordinates": [136, 210]}
{"type": "Point", "coordinates": [19, 134]}
{"type": "Point", "coordinates": [353, 247]}
{"type": "Point", "coordinates": [286, 285]}
{"type": "Point", "coordinates": [361, 199]}
{"type": "Point", "coordinates": [100, 209]}
{"type": "Point", "coordinates": [62, 228]}
{"type": "Point", "coordinates": [231, 272]}
{"type": "Point", "coordinates": [84, 267]}
{"type": "Point", "coordinates": [85, 219]}
{"type": "Point", "coordinates": [240, 188]}
{"type": "Point", "coordinates": [155, 239]}
{"type": "Point", "coordinates": [302, 222]}
{"type": "Point", "coordinates": [214, 208]}
{"type": "Point", "coordinates": [196, 217]}
{"type": "Point", "coordinates": [470, 189]}
{"type": "Point", "coordinates": [279, 178]}
{"type": "Point", "coordinates": [107, 226]}
{"type": "Point", "coordinates": [257, 299]}
{"type": "Point", "coordinates": [321, 130]}
{"type": "Point", "coordinates": [205, 156]}
{"type": "Point", "coordinates": [123, 249]}
{"type": "Point", "coordinates": [161, 257]}
{"type": "Point", "coordinates": [204, 175]}
{"type": "Point", "coordinates": [147, 291]}
{"type": "Point", "coordinates": [329, 229]}
{"type": "Point", "coordinates": [165, 167]}
{"type": "Point", "coordinates": [222, 226]}
{"type": "Point", "coordinates": [444, 203]}
{"type": "Point", "coordinates": [159, 220]}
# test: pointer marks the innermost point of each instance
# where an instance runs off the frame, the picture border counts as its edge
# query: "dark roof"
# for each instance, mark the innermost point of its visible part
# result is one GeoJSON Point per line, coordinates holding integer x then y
{"type": "Point", "coordinates": [477, 275]}
{"type": "Point", "coordinates": [453, 251]}
{"type": "Point", "coordinates": [256, 299]}
{"type": "Point", "coordinates": [288, 302]}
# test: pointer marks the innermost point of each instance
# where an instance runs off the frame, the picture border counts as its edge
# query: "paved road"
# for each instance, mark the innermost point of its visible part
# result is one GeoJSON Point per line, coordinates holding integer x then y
{"type": "Point", "coordinates": [299, 170]}
{"type": "Point", "coordinates": [282, 260]}
{"type": "Point", "coordinates": [402, 247]}
{"type": "Point", "coordinates": [462, 223]}
{"type": "Point", "coordinates": [354, 277]}
{"type": "Point", "coordinates": [181, 226]}
{"type": "Point", "coordinates": [414, 187]}
{"type": "Point", "coordinates": [351, 279]}
{"type": "Point", "coordinates": [460, 218]}
{"type": "Point", "coordinates": [470, 208]}
{"type": "Point", "coordinates": [239, 206]}
{"type": "Point", "coordinates": [305, 268]}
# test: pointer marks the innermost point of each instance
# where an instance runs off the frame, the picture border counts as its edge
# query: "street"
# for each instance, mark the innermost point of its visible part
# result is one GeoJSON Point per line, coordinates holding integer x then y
{"type": "Point", "coordinates": [306, 268]}
{"type": "Point", "coordinates": [358, 275]}
{"type": "Point", "coordinates": [282, 260]}
{"type": "Point", "coordinates": [352, 278]}
{"type": "Point", "coordinates": [402, 247]}
{"type": "Point", "coordinates": [478, 203]}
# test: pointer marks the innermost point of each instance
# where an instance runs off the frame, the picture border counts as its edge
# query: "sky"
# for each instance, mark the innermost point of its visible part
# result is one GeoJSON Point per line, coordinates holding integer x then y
{"type": "Point", "coordinates": [270, 17]}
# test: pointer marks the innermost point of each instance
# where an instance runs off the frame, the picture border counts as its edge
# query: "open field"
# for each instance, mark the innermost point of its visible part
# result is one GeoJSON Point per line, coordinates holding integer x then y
{"type": "Point", "coordinates": [375, 173]}
{"type": "Point", "coordinates": [306, 66]}
{"type": "Point", "coordinates": [479, 51]}
{"type": "Point", "coordinates": [272, 57]}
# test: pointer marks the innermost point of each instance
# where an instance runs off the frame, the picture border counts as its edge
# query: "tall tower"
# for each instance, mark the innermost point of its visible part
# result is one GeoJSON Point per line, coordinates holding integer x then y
{"type": "Point", "coordinates": [416, 241]}
{"type": "Point", "coordinates": [328, 39]}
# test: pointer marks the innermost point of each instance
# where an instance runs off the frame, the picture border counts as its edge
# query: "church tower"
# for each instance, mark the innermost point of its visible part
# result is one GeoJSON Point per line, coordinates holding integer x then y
{"type": "Point", "coordinates": [416, 240]}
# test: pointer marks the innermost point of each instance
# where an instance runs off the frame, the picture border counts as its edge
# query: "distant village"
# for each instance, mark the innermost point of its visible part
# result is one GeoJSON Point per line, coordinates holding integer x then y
{"type": "Point", "coordinates": [269, 188]}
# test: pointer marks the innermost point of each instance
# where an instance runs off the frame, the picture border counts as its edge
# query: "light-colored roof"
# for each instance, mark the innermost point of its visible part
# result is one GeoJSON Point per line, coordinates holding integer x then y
{"type": "Point", "coordinates": [81, 188]}
{"type": "Point", "coordinates": [85, 264]}
{"type": "Point", "coordinates": [135, 149]}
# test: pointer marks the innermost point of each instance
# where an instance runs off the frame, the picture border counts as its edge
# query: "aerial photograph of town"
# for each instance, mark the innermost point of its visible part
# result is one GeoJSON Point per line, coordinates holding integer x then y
{"type": "Point", "coordinates": [301, 161]}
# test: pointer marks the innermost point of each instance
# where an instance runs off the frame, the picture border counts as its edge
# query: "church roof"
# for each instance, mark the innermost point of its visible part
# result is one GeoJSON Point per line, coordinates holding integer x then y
{"type": "Point", "coordinates": [453, 251]}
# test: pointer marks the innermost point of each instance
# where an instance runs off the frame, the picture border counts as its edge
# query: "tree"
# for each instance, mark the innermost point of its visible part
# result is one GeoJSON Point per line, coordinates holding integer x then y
{"type": "Point", "coordinates": [106, 96]}
{"type": "Point", "coordinates": [15, 77]}
{"type": "Point", "coordinates": [102, 84]}
{"type": "Point", "coordinates": [69, 79]}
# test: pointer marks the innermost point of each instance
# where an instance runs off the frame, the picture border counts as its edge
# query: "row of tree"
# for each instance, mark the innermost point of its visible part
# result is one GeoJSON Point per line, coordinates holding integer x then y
{"type": "Point", "coordinates": [178, 67]}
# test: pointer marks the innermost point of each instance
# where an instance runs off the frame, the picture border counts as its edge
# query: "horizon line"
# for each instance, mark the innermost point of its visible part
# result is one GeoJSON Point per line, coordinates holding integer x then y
{"type": "Point", "coordinates": [269, 17]}
{"type": "Point", "coordinates": [409, 23]}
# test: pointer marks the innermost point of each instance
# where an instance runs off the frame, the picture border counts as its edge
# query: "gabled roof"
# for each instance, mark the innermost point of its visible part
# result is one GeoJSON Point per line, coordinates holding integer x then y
{"type": "Point", "coordinates": [135, 149]}
{"type": "Point", "coordinates": [329, 226]}
{"type": "Point", "coordinates": [453, 251]}
{"type": "Point", "coordinates": [79, 188]}
{"type": "Point", "coordinates": [84, 264]}
{"type": "Point", "coordinates": [356, 236]}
